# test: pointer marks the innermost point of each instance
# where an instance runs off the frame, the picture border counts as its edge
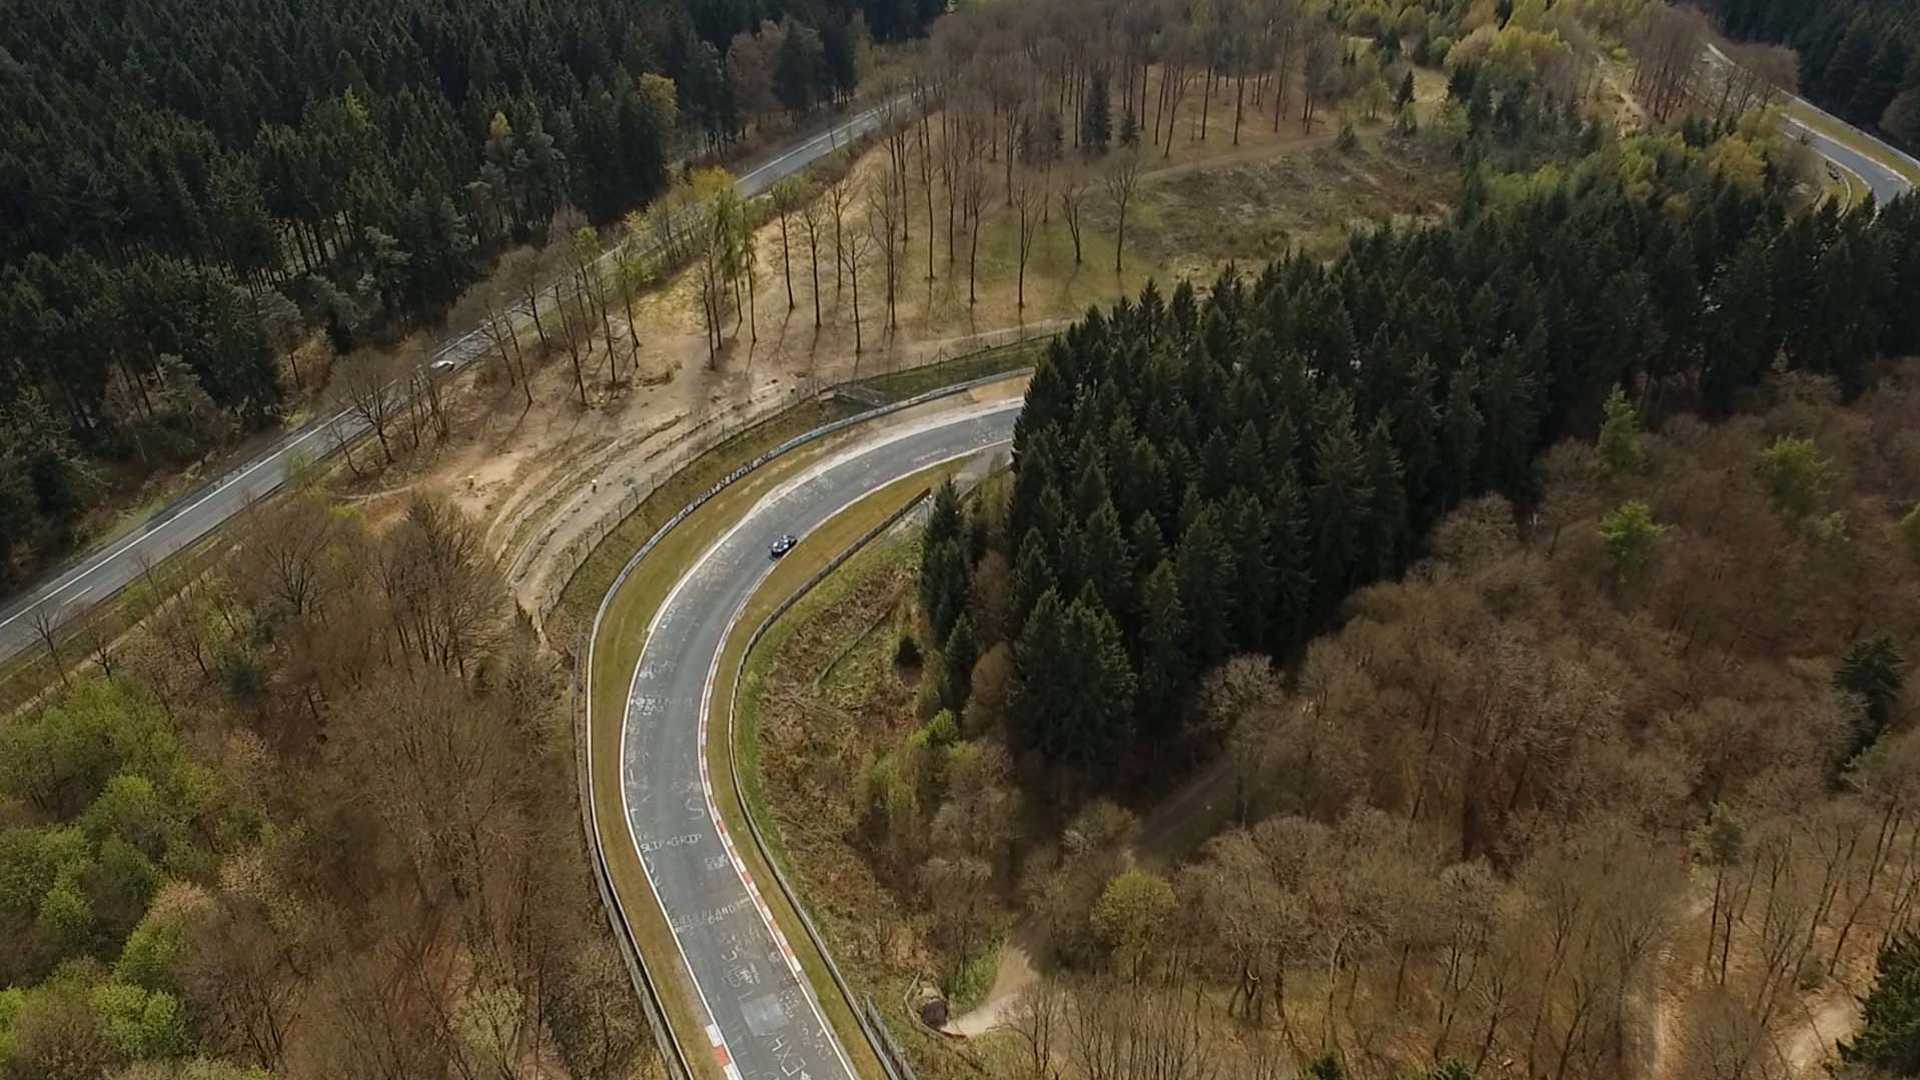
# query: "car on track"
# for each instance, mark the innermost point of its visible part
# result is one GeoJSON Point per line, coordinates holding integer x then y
{"type": "Point", "coordinates": [783, 544]}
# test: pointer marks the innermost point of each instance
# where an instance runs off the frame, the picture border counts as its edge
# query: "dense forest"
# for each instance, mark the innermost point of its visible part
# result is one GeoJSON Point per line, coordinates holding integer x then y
{"type": "Point", "coordinates": [1197, 478]}
{"type": "Point", "coordinates": [1550, 738]}
{"type": "Point", "coordinates": [184, 187]}
{"type": "Point", "coordinates": [1859, 59]}
{"type": "Point", "coordinates": [315, 818]}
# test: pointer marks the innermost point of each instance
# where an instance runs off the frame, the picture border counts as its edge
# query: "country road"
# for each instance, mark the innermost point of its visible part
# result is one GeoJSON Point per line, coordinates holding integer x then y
{"type": "Point", "coordinates": [762, 1017]}
{"type": "Point", "coordinates": [100, 574]}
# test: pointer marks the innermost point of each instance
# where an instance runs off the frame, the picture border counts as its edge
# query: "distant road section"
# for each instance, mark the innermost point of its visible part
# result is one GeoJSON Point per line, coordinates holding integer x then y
{"type": "Point", "coordinates": [1872, 165]}
{"type": "Point", "coordinates": [100, 574]}
{"type": "Point", "coordinates": [1887, 184]}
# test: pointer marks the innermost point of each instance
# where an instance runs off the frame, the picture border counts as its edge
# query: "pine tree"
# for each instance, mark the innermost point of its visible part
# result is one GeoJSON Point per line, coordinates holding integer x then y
{"type": "Point", "coordinates": [1206, 576]}
{"type": "Point", "coordinates": [1099, 724]}
{"type": "Point", "coordinates": [1461, 426]}
{"type": "Point", "coordinates": [1072, 697]}
{"type": "Point", "coordinates": [1889, 1035]}
{"type": "Point", "coordinates": [1164, 662]}
{"type": "Point", "coordinates": [1096, 122]}
{"type": "Point", "coordinates": [1149, 546]}
{"type": "Point", "coordinates": [1033, 575]}
{"type": "Point", "coordinates": [1416, 426]}
{"type": "Point", "coordinates": [1387, 508]}
{"type": "Point", "coordinates": [1255, 589]}
{"type": "Point", "coordinates": [1106, 563]}
{"type": "Point", "coordinates": [939, 541]}
{"type": "Point", "coordinates": [1619, 446]}
{"type": "Point", "coordinates": [1037, 699]}
{"type": "Point", "coordinates": [1340, 503]}
{"type": "Point", "coordinates": [1293, 578]}
{"type": "Point", "coordinates": [1871, 672]}
{"type": "Point", "coordinates": [961, 652]}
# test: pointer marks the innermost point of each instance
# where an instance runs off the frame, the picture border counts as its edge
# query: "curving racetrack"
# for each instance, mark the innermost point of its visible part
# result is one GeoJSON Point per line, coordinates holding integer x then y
{"type": "Point", "coordinates": [763, 1020]}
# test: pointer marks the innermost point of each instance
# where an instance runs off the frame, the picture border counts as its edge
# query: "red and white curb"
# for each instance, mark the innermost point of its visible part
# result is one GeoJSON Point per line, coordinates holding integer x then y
{"type": "Point", "coordinates": [733, 852]}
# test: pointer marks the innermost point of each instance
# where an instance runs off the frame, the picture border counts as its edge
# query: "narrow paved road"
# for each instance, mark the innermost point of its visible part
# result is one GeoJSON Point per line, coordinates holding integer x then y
{"type": "Point", "coordinates": [764, 1021]}
{"type": "Point", "coordinates": [100, 574]}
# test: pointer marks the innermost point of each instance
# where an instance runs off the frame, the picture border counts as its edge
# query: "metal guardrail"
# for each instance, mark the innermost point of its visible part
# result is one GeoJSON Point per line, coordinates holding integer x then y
{"type": "Point", "coordinates": [871, 1024]}
{"type": "Point", "coordinates": [644, 984]}
{"type": "Point", "coordinates": [891, 1056]}
{"type": "Point", "coordinates": [575, 553]}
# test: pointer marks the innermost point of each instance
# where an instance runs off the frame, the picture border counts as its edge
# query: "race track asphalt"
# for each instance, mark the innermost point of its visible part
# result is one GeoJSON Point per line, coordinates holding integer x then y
{"type": "Point", "coordinates": [764, 1021]}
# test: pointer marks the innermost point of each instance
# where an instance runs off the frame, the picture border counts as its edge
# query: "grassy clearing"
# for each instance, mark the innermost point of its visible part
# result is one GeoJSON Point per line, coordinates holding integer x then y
{"type": "Point", "coordinates": [1257, 210]}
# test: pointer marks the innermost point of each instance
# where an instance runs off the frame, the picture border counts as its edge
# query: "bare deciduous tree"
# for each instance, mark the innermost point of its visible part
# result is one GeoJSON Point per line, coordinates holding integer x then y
{"type": "Point", "coordinates": [1668, 47]}
{"type": "Point", "coordinates": [1120, 181]}
{"type": "Point", "coordinates": [371, 398]}
{"type": "Point", "coordinates": [811, 214]}
{"type": "Point", "coordinates": [442, 587]}
{"type": "Point", "coordinates": [853, 248]}
{"type": "Point", "coordinates": [885, 213]}
{"type": "Point", "coordinates": [1028, 201]}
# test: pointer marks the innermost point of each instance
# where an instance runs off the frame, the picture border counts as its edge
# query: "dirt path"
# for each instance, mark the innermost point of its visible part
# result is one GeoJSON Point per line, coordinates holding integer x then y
{"type": "Point", "coordinates": [1176, 827]}
{"type": "Point", "coordinates": [1015, 974]}
{"type": "Point", "coordinates": [1809, 1047]}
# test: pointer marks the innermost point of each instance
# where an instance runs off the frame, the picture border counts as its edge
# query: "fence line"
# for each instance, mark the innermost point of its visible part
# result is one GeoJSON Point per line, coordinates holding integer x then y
{"type": "Point", "coordinates": [710, 433]}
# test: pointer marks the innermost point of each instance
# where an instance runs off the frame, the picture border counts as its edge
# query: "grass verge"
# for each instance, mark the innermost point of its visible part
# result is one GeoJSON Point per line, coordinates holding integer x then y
{"type": "Point", "coordinates": [919, 380]}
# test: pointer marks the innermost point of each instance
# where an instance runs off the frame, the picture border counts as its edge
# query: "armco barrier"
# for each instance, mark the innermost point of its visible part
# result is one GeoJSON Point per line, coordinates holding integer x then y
{"type": "Point", "coordinates": [672, 1055]}
{"type": "Point", "coordinates": [644, 984]}
{"type": "Point", "coordinates": [709, 434]}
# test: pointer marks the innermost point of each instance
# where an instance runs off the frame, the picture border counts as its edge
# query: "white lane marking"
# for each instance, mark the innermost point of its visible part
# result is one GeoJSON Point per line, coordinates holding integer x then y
{"type": "Point", "coordinates": [626, 807]}
{"type": "Point", "coordinates": [88, 571]}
